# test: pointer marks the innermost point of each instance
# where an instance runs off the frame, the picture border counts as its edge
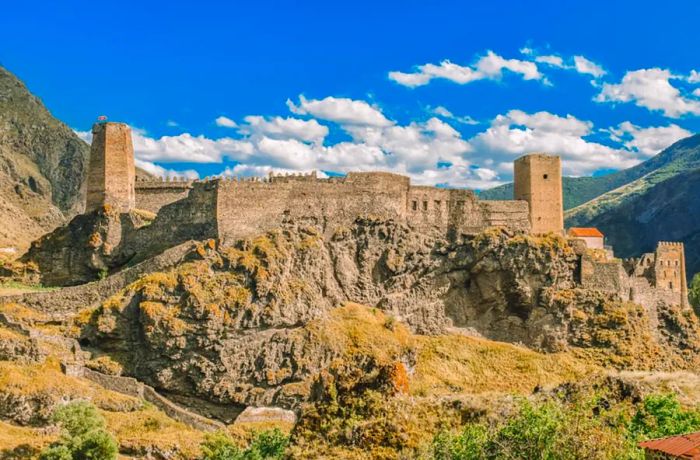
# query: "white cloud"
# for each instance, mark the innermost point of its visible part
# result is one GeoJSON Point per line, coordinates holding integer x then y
{"type": "Point", "coordinates": [652, 89]}
{"type": "Point", "coordinates": [586, 66]}
{"type": "Point", "coordinates": [443, 112]}
{"type": "Point", "coordinates": [159, 171]}
{"type": "Point", "coordinates": [577, 63]}
{"type": "Point", "coordinates": [647, 141]}
{"type": "Point", "coordinates": [172, 124]}
{"type": "Point", "coordinates": [694, 77]}
{"type": "Point", "coordinates": [553, 60]}
{"type": "Point", "coordinates": [490, 66]}
{"type": "Point", "coordinates": [225, 122]}
{"type": "Point", "coordinates": [517, 133]}
{"type": "Point", "coordinates": [283, 128]}
{"type": "Point", "coordinates": [340, 110]}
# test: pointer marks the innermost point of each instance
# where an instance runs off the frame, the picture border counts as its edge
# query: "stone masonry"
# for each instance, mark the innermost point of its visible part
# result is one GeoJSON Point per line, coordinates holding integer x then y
{"type": "Point", "coordinates": [111, 174]}
{"type": "Point", "coordinates": [537, 180]}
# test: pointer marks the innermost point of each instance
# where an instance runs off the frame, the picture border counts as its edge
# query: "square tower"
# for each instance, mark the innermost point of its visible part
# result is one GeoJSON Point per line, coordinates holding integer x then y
{"type": "Point", "coordinates": [111, 172]}
{"type": "Point", "coordinates": [669, 269]}
{"type": "Point", "coordinates": [537, 180]}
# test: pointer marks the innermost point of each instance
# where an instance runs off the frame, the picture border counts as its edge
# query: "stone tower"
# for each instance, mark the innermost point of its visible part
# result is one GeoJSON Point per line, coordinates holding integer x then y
{"type": "Point", "coordinates": [537, 180]}
{"type": "Point", "coordinates": [111, 173]}
{"type": "Point", "coordinates": [669, 269]}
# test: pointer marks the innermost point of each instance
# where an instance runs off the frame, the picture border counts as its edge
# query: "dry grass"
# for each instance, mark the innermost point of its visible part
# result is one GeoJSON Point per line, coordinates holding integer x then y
{"type": "Point", "coordinates": [150, 427]}
{"type": "Point", "coordinates": [358, 330]}
{"type": "Point", "coordinates": [22, 313]}
{"type": "Point", "coordinates": [451, 364]}
{"type": "Point", "coordinates": [14, 287]}
{"type": "Point", "coordinates": [22, 441]}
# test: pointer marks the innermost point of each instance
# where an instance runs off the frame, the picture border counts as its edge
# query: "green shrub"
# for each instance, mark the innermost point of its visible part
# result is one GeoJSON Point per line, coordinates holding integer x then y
{"type": "Point", "coordinates": [83, 435]}
{"type": "Point", "coordinates": [662, 415]}
{"type": "Point", "coordinates": [549, 430]}
{"type": "Point", "coordinates": [265, 445]}
{"type": "Point", "coordinates": [219, 446]}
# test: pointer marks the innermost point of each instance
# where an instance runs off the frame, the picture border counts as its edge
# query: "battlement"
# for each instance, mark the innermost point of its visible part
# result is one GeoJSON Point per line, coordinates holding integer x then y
{"type": "Point", "coordinates": [671, 244]}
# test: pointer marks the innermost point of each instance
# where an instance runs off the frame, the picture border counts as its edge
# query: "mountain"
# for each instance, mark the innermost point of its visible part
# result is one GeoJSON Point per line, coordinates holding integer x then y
{"type": "Point", "coordinates": [682, 155]}
{"type": "Point", "coordinates": [42, 166]}
{"type": "Point", "coordinates": [634, 218]}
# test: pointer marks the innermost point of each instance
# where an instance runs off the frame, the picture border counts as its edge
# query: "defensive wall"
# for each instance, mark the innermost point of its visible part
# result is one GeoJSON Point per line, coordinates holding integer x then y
{"type": "Point", "coordinates": [232, 208]}
{"type": "Point", "coordinates": [153, 194]}
{"type": "Point", "coordinates": [647, 280]}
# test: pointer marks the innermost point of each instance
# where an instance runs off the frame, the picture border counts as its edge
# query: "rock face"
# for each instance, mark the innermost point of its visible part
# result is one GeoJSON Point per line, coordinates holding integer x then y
{"type": "Point", "coordinates": [241, 327]}
{"type": "Point", "coordinates": [42, 165]}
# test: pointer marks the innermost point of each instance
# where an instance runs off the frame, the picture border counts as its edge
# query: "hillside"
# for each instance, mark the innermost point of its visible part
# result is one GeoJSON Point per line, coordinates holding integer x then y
{"type": "Point", "coordinates": [378, 338]}
{"type": "Point", "coordinates": [681, 156]}
{"type": "Point", "coordinates": [635, 217]}
{"type": "Point", "coordinates": [42, 165]}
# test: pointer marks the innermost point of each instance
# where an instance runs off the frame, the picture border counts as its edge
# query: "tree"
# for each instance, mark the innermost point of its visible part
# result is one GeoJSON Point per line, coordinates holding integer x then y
{"type": "Point", "coordinates": [83, 437]}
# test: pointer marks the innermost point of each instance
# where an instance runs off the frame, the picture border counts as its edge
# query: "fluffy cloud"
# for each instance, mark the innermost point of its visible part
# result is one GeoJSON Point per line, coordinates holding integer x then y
{"type": "Point", "coordinates": [652, 89]}
{"type": "Point", "coordinates": [553, 60]}
{"type": "Point", "coordinates": [647, 141]}
{"type": "Point", "coordinates": [160, 171]}
{"type": "Point", "coordinates": [489, 67]}
{"type": "Point", "coordinates": [225, 122]}
{"type": "Point", "coordinates": [283, 128]}
{"type": "Point", "coordinates": [340, 110]}
{"type": "Point", "coordinates": [429, 151]}
{"type": "Point", "coordinates": [517, 133]}
{"type": "Point", "coordinates": [585, 66]}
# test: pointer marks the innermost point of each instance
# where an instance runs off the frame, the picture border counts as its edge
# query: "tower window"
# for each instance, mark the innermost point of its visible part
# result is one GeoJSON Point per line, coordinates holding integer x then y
{"type": "Point", "coordinates": [545, 176]}
{"type": "Point", "coordinates": [425, 206]}
{"type": "Point", "coordinates": [415, 206]}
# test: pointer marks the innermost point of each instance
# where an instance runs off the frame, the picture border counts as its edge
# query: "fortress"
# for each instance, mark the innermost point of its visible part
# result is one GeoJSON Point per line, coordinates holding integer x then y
{"type": "Point", "coordinates": [230, 209]}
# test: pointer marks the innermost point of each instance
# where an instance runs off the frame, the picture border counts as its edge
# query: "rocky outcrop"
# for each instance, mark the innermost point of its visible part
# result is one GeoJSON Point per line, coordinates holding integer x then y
{"type": "Point", "coordinates": [239, 327]}
{"type": "Point", "coordinates": [64, 303]}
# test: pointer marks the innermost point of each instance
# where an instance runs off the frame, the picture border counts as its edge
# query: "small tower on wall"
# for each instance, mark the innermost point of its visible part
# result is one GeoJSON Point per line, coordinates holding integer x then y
{"type": "Point", "coordinates": [537, 180]}
{"type": "Point", "coordinates": [111, 172]}
{"type": "Point", "coordinates": [669, 269]}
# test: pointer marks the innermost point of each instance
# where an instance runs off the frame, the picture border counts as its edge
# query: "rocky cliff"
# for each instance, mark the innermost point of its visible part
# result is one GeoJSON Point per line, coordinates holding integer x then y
{"type": "Point", "coordinates": [241, 326]}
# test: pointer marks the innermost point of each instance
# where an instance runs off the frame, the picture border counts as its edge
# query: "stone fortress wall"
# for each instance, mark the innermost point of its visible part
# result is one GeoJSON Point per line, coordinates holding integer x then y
{"type": "Point", "coordinates": [649, 279]}
{"type": "Point", "coordinates": [229, 209]}
{"type": "Point", "coordinates": [153, 194]}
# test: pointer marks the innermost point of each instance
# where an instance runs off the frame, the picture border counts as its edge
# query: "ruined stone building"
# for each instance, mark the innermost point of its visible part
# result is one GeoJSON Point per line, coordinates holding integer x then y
{"type": "Point", "coordinates": [230, 209]}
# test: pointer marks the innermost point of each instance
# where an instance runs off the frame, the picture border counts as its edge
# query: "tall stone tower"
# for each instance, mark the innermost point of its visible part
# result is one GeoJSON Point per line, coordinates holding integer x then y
{"type": "Point", "coordinates": [669, 269]}
{"type": "Point", "coordinates": [111, 173]}
{"type": "Point", "coordinates": [537, 180]}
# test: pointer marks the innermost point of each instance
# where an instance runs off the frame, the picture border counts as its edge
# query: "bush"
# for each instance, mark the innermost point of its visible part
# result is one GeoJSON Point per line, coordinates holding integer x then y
{"type": "Point", "coordinates": [83, 435]}
{"type": "Point", "coordinates": [265, 445]}
{"type": "Point", "coordinates": [662, 415]}
{"type": "Point", "coordinates": [219, 446]}
{"type": "Point", "coordinates": [549, 430]}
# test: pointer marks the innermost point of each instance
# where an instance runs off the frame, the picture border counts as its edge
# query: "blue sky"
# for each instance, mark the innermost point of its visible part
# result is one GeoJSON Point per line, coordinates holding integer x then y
{"type": "Point", "coordinates": [447, 92]}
